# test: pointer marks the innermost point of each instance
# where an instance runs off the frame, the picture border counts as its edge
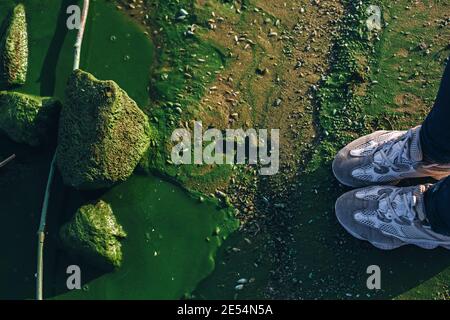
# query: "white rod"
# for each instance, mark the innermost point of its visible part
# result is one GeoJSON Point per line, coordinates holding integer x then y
{"type": "Point", "coordinates": [79, 42]}
{"type": "Point", "coordinates": [41, 230]}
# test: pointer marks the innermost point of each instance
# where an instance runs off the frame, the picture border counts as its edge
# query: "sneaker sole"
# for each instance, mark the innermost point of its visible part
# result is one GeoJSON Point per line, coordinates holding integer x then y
{"type": "Point", "coordinates": [389, 244]}
{"type": "Point", "coordinates": [425, 245]}
{"type": "Point", "coordinates": [386, 247]}
{"type": "Point", "coordinates": [362, 184]}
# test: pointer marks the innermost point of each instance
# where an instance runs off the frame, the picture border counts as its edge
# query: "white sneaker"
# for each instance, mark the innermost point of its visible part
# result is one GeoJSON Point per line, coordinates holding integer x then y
{"type": "Point", "coordinates": [385, 157]}
{"type": "Point", "coordinates": [389, 217]}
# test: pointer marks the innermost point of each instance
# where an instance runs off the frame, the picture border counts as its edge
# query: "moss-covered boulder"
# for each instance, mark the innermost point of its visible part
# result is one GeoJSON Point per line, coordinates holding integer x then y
{"type": "Point", "coordinates": [28, 119]}
{"type": "Point", "coordinates": [94, 234]}
{"type": "Point", "coordinates": [102, 133]}
{"type": "Point", "coordinates": [14, 49]}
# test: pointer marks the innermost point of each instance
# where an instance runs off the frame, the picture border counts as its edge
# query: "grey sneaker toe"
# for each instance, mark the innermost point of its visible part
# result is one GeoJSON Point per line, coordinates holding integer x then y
{"type": "Point", "coordinates": [385, 157]}
{"type": "Point", "coordinates": [389, 217]}
{"type": "Point", "coordinates": [345, 163]}
{"type": "Point", "coordinates": [347, 206]}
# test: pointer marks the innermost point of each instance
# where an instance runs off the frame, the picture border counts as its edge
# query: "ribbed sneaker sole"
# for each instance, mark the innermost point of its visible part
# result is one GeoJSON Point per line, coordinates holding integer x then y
{"type": "Point", "coordinates": [384, 246]}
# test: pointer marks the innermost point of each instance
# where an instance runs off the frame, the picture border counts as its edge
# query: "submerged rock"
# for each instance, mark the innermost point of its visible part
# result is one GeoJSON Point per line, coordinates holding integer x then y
{"type": "Point", "coordinates": [28, 119]}
{"type": "Point", "coordinates": [102, 133]}
{"type": "Point", "coordinates": [94, 234]}
{"type": "Point", "coordinates": [14, 49]}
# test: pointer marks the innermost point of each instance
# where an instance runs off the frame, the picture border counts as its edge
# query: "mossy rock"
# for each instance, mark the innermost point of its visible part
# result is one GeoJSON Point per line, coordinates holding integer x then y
{"type": "Point", "coordinates": [102, 133]}
{"type": "Point", "coordinates": [28, 119]}
{"type": "Point", "coordinates": [14, 49]}
{"type": "Point", "coordinates": [94, 234]}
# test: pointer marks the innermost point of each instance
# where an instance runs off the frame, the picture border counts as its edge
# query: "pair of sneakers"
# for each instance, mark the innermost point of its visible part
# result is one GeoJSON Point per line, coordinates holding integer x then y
{"type": "Point", "coordinates": [387, 216]}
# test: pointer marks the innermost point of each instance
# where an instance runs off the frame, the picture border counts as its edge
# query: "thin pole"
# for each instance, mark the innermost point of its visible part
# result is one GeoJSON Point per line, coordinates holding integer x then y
{"type": "Point", "coordinates": [79, 42]}
{"type": "Point", "coordinates": [41, 230]}
{"type": "Point", "coordinates": [41, 233]}
{"type": "Point", "coordinates": [7, 160]}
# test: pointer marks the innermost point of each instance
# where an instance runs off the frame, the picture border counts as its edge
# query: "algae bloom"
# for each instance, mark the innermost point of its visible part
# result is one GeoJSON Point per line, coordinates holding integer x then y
{"type": "Point", "coordinates": [94, 234]}
{"type": "Point", "coordinates": [14, 49]}
{"type": "Point", "coordinates": [28, 119]}
{"type": "Point", "coordinates": [102, 133]}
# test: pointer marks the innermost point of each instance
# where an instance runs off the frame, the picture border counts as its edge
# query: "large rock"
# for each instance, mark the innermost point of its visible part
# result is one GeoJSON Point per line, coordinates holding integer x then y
{"type": "Point", "coordinates": [28, 119]}
{"type": "Point", "coordinates": [14, 49]}
{"type": "Point", "coordinates": [94, 234]}
{"type": "Point", "coordinates": [102, 133]}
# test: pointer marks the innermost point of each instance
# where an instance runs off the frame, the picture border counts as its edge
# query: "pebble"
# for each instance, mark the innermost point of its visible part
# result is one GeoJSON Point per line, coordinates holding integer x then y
{"type": "Point", "coordinates": [278, 102]}
{"type": "Point", "coordinates": [183, 12]}
{"type": "Point", "coordinates": [272, 34]}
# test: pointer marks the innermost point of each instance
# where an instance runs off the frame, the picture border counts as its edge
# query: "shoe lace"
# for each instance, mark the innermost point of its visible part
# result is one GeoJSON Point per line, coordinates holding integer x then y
{"type": "Point", "coordinates": [405, 207]}
{"type": "Point", "coordinates": [394, 152]}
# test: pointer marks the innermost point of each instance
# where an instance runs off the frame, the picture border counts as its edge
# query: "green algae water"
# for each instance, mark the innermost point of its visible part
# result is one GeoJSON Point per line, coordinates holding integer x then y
{"type": "Point", "coordinates": [114, 48]}
{"type": "Point", "coordinates": [22, 183]}
{"type": "Point", "coordinates": [172, 237]}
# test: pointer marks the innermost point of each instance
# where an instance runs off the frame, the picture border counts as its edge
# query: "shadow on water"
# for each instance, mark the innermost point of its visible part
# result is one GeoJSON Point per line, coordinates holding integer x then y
{"type": "Point", "coordinates": [65, 202]}
{"type": "Point", "coordinates": [47, 77]}
{"type": "Point", "coordinates": [332, 264]}
{"type": "Point", "coordinates": [22, 183]}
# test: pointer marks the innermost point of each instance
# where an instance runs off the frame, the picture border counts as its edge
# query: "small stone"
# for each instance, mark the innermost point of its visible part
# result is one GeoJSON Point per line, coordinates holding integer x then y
{"type": "Point", "coordinates": [262, 72]}
{"type": "Point", "coordinates": [14, 49]}
{"type": "Point", "coordinates": [278, 102]}
{"type": "Point", "coordinates": [28, 119]}
{"type": "Point", "coordinates": [216, 231]}
{"type": "Point", "coordinates": [183, 12]}
{"type": "Point", "coordinates": [272, 34]}
{"type": "Point", "coordinates": [94, 234]}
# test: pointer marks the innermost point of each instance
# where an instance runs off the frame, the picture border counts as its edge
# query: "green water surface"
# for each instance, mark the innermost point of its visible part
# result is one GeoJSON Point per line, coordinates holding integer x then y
{"type": "Point", "coordinates": [170, 245]}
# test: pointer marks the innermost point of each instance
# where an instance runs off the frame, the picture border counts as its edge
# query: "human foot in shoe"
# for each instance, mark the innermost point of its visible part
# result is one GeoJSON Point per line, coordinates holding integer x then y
{"type": "Point", "coordinates": [385, 157]}
{"type": "Point", "coordinates": [389, 217]}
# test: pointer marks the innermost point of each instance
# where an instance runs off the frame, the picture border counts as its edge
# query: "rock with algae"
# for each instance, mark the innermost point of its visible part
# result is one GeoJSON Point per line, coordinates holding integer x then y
{"type": "Point", "coordinates": [14, 49]}
{"type": "Point", "coordinates": [94, 234]}
{"type": "Point", "coordinates": [28, 119]}
{"type": "Point", "coordinates": [102, 133]}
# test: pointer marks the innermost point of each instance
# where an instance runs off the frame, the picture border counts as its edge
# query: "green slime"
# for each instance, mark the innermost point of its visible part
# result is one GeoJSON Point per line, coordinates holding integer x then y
{"type": "Point", "coordinates": [170, 245]}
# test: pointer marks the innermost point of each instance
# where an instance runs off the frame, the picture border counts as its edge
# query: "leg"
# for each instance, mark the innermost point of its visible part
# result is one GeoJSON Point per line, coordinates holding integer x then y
{"type": "Point", "coordinates": [434, 134]}
{"type": "Point", "coordinates": [437, 206]}
{"type": "Point", "coordinates": [390, 217]}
